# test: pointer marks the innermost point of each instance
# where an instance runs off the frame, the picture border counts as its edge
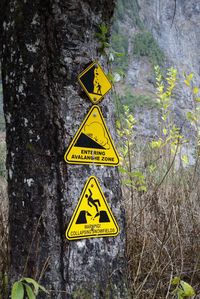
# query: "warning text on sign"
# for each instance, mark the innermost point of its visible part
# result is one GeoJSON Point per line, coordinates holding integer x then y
{"type": "Point", "coordinates": [92, 156]}
{"type": "Point", "coordinates": [92, 230]}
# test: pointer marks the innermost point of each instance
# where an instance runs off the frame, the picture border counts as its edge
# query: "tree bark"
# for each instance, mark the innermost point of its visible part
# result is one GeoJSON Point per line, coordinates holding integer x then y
{"type": "Point", "coordinates": [46, 44]}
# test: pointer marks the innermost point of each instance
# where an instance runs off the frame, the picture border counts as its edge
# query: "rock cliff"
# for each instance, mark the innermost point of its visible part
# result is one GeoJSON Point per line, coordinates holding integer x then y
{"type": "Point", "coordinates": [173, 27]}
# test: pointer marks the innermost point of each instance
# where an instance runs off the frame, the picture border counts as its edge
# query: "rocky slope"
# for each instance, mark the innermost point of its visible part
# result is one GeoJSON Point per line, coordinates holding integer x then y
{"type": "Point", "coordinates": [174, 25]}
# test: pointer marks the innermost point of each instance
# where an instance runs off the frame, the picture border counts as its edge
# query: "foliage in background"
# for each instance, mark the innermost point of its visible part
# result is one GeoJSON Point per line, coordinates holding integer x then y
{"type": "Point", "coordinates": [125, 128]}
{"type": "Point", "coordinates": [170, 135]}
{"type": "Point", "coordinates": [137, 100]}
{"type": "Point", "coordinates": [129, 9]}
{"type": "Point", "coordinates": [125, 9]}
{"type": "Point", "coordinates": [193, 116]}
{"type": "Point", "coordinates": [138, 42]}
{"type": "Point", "coordinates": [161, 198]}
{"type": "Point", "coordinates": [170, 141]}
{"type": "Point", "coordinates": [120, 44]}
{"type": "Point", "coordinates": [103, 38]}
{"type": "Point", "coordinates": [144, 44]}
{"type": "Point", "coordinates": [105, 47]}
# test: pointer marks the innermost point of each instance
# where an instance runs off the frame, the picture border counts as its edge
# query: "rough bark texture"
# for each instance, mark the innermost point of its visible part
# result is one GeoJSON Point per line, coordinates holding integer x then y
{"type": "Point", "coordinates": [46, 44]}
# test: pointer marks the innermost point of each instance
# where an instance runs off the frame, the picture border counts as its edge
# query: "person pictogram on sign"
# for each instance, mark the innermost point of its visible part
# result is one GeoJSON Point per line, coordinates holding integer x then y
{"type": "Point", "coordinates": [99, 89]}
{"type": "Point", "coordinates": [93, 202]}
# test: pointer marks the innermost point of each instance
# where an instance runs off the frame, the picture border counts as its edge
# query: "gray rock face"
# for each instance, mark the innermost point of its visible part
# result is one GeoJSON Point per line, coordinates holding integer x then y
{"type": "Point", "coordinates": [174, 25]}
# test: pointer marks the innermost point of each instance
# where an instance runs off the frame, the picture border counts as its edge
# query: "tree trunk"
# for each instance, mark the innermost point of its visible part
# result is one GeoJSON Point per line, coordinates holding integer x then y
{"type": "Point", "coordinates": [46, 44]}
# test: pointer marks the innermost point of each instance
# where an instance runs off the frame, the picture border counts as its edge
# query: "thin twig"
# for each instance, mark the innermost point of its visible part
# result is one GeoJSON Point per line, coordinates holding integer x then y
{"type": "Point", "coordinates": [44, 268]}
{"type": "Point", "coordinates": [29, 252]}
{"type": "Point", "coordinates": [179, 239]}
{"type": "Point", "coordinates": [140, 260]}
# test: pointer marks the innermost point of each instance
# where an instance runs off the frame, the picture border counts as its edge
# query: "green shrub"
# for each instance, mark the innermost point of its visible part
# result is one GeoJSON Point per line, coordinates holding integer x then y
{"type": "Point", "coordinates": [140, 100]}
{"type": "Point", "coordinates": [129, 8]}
{"type": "Point", "coordinates": [119, 44]}
{"type": "Point", "coordinates": [119, 38]}
{"type": "Point", "coordinates": [161, 197]}
{"type": "Point", "coordinates": [144, 44]}
{"type": "Point", "coordinates": [133, 101]}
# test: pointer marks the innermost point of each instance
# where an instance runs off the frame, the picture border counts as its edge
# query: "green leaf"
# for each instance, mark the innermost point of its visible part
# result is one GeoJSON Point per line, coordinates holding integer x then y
{"type": "Point", "coordinates": [195, 90]}
{"type": "Point", "coordinates": [187, 82]}
{"type": "Point", "coordinates": [187, 288]}
{"type": "Point", "coordinates": [124, 151]}
{"type": "Point", "coordinates": [164, 117]}
{"type": "Point", "coordinates": [191, 116]}
{"type": "Point", "coordinates": [110, 77]}
{"type": "Point", "coordinates": [183, 288]}
{"type": "Point", "coordinates": [165, 131]}
{"type": "Point", "coordinates": [175, 280]}
{"type": "Point", "coordinates": [29, 292]}
{"type": "Point", "coordinates": [127, 183]}
{"type": "Point", "coordinates": [131, 119]}
{"type": "Point", "coordinates": [33, 282]}
{"type": "Point", "coordinates": [122, 170]}
{"type": "Point", "coordinates": [152, 168]}
{"type": "Point", "coordinates": [190, 76]}
{"type": "Point", "coordinates": [43, 289]}
{"type": "Point", "coordinates": [142, 188]}
{"type": "Point", "coordinates": [197, 100]}
{"type": "Point", "coordinates": [185, 159]}
{"type": "Point", "coordinates": [118, 54]}
{"type": "Point", "coordinates": [118, 124]}
{"type": "Point", "coordinates": [180, 293]}
{"type": "Point", "coordinates": [104, 28]}
{"type": "Point", "coordinates": [156, 144]}
{"type": "Point", "coordinates": [17, 290]}
{"type": "Point", "coordinates": [138, 174]}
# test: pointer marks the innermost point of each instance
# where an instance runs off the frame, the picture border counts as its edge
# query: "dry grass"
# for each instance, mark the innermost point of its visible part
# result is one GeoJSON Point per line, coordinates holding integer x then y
{"type": "Point", "coordinates": [163, 233]}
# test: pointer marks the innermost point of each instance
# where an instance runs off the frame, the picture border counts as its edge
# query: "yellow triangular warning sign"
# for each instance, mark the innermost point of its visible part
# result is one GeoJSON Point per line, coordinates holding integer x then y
{"type": "Point", "coordinates": [92, 143]}
{"type": "Point", "coordinates": [94, 82]}
{"type": "Point", "coordinates": [92, 217]}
